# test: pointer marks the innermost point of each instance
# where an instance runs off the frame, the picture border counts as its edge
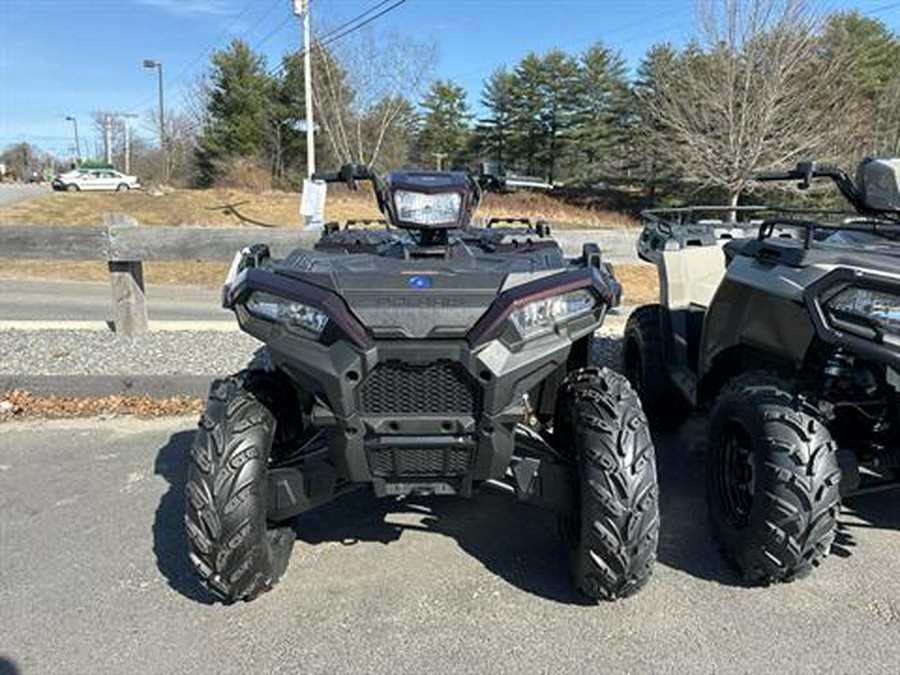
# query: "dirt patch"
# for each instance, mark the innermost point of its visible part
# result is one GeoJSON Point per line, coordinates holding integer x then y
{"type": "Point", "coordinates": [20, 405]}
{"type": "Point", "coordinates": [640, 283]}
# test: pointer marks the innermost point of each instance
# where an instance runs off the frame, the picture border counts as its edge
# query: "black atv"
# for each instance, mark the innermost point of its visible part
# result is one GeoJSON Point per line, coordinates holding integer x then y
{"type": "Point", "coordinates": [786, 324]}
{"type": "Point", "coordinates": [424, 357]}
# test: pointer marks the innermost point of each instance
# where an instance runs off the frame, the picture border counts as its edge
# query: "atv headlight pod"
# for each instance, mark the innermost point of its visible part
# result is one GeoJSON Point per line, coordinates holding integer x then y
{"type": "Point", "coordinates": [420, 208]}
{"type": "Point", "coordinates": [870, 307]}
{"type": "Point", "coordinates": [290, 313]}
{"type": "Point", "coordinates": [540, 316]}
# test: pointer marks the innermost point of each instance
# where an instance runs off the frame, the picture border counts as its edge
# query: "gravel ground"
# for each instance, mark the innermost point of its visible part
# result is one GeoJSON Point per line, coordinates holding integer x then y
{"type": "Point", "coordinates": [85, 352]}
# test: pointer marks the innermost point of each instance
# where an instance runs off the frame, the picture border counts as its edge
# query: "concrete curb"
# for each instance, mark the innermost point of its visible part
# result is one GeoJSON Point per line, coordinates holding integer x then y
{"type": "Point", "coordinates": [154, 386]}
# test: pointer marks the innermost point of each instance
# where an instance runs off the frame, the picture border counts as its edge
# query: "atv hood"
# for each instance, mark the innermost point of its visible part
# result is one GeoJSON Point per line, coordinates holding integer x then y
{"type": "Point", "coordinates": [424, 298]}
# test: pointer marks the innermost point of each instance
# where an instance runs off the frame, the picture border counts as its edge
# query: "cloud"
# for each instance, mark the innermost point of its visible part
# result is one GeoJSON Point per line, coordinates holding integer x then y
{"type": "Point", "coordinates": [183, 7]}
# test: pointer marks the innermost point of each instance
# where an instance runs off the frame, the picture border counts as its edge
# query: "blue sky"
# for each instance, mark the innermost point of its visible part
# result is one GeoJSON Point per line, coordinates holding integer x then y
{"type": "Point", "coordinates": [74, 57]}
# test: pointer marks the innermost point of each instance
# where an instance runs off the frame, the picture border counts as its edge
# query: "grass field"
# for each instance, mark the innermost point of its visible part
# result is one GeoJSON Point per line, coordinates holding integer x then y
{"type": "Point", "coordinates": [209, 207]}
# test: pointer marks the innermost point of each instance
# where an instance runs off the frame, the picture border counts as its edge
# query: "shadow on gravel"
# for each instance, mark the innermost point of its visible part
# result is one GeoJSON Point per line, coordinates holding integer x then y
{"type": "Point", "coordinates": [514, 541]}
{"type": "Point", "coordinates": [169, 537]}
{"type": "Point", "coordinates": [8, 667]}
{"type": "Point", "coordinates": [875, 511]}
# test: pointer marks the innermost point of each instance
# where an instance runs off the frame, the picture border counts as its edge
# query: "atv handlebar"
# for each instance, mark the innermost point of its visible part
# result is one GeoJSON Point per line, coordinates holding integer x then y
{"type": "Point", "coordinates": [349, 174]}
{"type": "Point", "coordinates": [806, 171]}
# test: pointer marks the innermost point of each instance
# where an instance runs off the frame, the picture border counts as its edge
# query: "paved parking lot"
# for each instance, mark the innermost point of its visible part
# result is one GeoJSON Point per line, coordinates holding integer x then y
{"type": "Point", "coordinates": [93, 579]}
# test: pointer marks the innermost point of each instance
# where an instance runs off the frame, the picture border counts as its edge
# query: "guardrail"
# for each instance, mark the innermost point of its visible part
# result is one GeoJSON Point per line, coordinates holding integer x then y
{"type": "Point", "coordinates": [123, 244]}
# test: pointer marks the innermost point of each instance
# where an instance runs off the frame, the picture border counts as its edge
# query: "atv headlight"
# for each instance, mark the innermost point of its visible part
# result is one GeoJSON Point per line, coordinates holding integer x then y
{"type": "Point", "coordinates": [541, 315]}
{"type": "Point", "coordinates": [869, 307]}
{"type": "Point", "coordinates": [424, 209]}
{"type": "Point", "coordinates": [290, 313]}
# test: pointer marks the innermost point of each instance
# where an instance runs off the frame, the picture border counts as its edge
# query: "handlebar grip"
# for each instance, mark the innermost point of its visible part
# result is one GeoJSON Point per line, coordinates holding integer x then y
{"type": "Point", "coordinates": [789, 175]}
{"type": "Point", "coordinates": [327, 177]}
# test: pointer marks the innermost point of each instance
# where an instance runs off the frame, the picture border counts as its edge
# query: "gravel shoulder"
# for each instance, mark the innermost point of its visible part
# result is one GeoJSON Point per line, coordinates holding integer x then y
{"type": "Point", "coordinates": [163, 363]}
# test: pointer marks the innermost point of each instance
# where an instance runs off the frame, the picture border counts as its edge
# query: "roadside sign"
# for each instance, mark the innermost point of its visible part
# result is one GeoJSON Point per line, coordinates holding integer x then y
{"type": "Point", "coordinates": [312, 203]}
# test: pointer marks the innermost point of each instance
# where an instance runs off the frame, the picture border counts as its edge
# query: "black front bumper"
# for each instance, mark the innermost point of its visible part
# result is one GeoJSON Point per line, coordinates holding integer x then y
{"type": "Point", "coordinates": [439, 414]}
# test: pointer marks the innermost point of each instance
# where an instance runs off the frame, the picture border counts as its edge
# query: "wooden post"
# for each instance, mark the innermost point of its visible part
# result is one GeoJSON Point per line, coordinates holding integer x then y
{"type": "Point", "coordinates": [126, 279]}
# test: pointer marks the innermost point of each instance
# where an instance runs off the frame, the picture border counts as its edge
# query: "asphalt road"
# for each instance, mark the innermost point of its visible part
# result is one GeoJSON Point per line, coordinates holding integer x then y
{"type": "Point", "coordinates": [34, 299]}
{"type": "Point", "coordinates": [10, 193]}
{"type": "Point", "coordinates": [93, 579]}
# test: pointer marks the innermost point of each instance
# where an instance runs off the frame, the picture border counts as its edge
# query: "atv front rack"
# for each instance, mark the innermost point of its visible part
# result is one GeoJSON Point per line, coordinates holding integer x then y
{"type": "Point", "coordinates": [710, 225]}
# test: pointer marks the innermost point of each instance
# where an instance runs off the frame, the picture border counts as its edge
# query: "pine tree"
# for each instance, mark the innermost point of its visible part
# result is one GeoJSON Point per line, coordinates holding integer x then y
{"type": "Point", "coordinates": [445, 123]}
{"type": "Point", "coordinates": [498, 96]}
{"type": "Point", "coordinates": [605, 111]}
{"type": "Point", "coordinates": [238, 110]}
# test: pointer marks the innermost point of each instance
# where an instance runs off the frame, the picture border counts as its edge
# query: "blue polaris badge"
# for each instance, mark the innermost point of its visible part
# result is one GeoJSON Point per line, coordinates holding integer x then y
{"type": "Point", "coordinates": [420, 282]}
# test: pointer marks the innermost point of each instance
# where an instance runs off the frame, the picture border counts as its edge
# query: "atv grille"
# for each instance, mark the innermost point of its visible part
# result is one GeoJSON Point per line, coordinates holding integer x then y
{"type": "Point", "coordinates": [409, 462]}
{"type": "Point", "coordinates": [441, 387]}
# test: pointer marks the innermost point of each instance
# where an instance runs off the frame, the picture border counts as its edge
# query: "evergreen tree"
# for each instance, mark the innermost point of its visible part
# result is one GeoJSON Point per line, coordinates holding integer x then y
{"type": "Point", "coordinates": [605, 112]}
{"type": "Point", "coordinates": [498, 96]}
{"type": "Point", "coordinates": [648, 134]}
{"type": "Point", "coordinates": [239, 106]}
{"type": "Point", "coordinates": [445, 123]}
{"type": "Point", "coordinates": [870, 53]}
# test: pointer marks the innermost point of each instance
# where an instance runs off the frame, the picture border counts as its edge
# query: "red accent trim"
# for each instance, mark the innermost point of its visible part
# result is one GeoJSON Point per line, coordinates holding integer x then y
{"type": "Point", "coordinates": [492, 321]}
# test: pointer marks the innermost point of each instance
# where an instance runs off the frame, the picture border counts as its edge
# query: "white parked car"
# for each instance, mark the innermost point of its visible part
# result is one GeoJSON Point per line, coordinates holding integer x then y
{"type": "Point", "coordinates": [95, 179]}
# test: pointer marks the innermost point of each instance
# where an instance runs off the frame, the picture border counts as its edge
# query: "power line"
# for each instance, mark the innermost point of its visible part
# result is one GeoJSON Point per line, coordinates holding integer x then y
{"type": "Point", "coordinates": [355, 19]}
{"type": "Point", "coordinates": [339, 32]}
{"type": "Point", "coordinates": [206, 51]}
{"type": "Point", "coordinates": [364, 23]}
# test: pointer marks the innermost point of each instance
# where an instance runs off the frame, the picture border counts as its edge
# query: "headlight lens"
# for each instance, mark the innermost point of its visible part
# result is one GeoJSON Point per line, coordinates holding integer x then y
{"type": "Point", "coordinates": [541, 315]}
{"type": "Point", "coordinates": [871, 307]}
{"type": "Point", "coordinates": [291, 313]}
{"type": "Point", "coordinates": [424, 209]}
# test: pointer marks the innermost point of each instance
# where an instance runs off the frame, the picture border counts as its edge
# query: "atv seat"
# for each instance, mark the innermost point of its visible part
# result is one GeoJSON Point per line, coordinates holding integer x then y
{"type": "Point", "coordinates": [690, 276]}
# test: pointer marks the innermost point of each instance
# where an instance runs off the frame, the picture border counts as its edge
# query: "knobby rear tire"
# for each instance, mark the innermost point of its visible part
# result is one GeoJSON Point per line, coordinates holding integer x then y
{"type": "Point", "coordinates": [645, 366]}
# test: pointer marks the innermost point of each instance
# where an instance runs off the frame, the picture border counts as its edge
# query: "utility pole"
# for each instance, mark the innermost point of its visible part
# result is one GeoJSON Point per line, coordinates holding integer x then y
{"type": "Point", "coordinates": [301, 8]}
{"type": "Point", "coordinates": [439, 158]}
{"type": "Point", "coordinates": [150, 63]}
{"type": "Point", "coordinates": [74, 122]}
{"type": "Point", "coordinates": [126, 117]}
{"type": "Point", "coordinates": [107, 138]}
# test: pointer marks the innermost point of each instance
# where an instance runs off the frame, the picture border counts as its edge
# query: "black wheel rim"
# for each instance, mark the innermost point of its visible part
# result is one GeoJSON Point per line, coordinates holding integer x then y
{"type": "Point", "coordinates": [735, 474]}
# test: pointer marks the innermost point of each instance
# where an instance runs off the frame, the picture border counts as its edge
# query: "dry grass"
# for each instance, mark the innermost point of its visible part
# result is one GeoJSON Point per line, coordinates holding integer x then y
{"type": "Point", "coordinates": [203, 274]}
{"type": "Point", "coordinates": [208, 207]}
{"type": "Point", "coordinates": [180, 207]}
{"type": "Point", "coordinates": [640, 282]}
{"type": "Point", "coordinates": [20, 405]}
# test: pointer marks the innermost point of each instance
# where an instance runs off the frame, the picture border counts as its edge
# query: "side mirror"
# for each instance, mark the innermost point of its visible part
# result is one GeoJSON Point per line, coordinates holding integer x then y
{"type": "Point", "coordinates": [805, 171]}
{"type": "Point", "coordinates": [878, 184]}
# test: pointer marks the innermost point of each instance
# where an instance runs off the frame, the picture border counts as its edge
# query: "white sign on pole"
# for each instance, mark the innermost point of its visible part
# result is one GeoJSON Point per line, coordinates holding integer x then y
{"type": "Point", "coordinates": [312, 203]}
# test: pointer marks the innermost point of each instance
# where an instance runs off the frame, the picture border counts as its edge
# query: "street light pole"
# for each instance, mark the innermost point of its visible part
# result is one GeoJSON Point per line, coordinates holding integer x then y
{"type": "Point", "coordinates": [301, 7]}
{"type": "Point", "coordinates": [150, 63]}
{"type": "Point", "coordinates": [74, 122]}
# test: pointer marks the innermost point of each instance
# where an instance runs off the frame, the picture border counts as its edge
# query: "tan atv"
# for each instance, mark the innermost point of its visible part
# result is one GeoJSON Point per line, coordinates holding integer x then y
{"type": "Point", "coordinates": [785, 327]}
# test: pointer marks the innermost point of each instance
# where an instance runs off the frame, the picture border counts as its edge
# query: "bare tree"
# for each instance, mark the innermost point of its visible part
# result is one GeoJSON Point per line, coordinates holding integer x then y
{"type": "Point", "coordinates": [362, 93]}
{"type": "Point", "coordinates": [753, 93]}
